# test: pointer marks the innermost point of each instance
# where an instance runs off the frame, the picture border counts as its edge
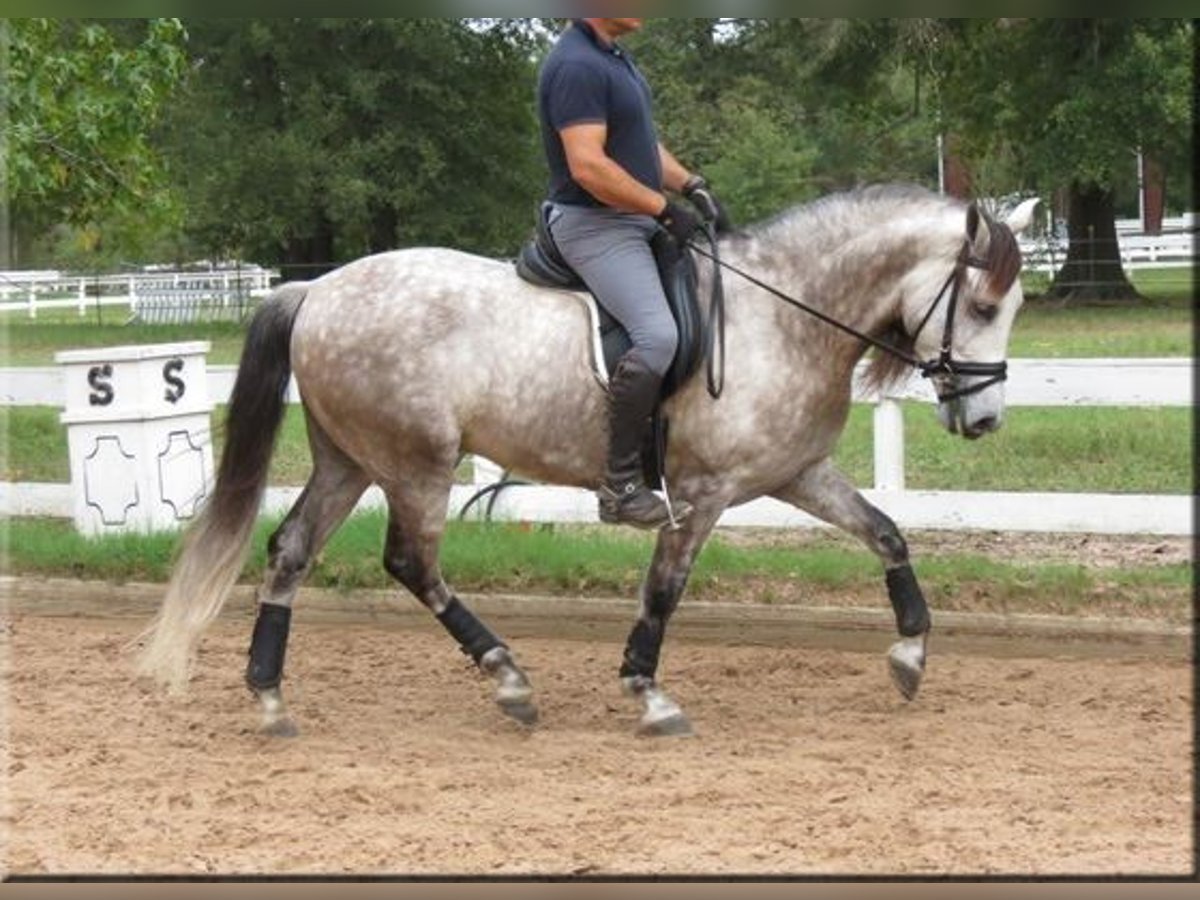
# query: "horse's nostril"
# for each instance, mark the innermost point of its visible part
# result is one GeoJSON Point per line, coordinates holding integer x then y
{"type": "Point", "coordinates": [980, 427]}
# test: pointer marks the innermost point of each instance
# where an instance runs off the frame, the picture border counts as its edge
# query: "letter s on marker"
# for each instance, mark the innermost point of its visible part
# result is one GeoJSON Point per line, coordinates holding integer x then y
{"type": "Point", "coordinates": [102, 389]}
{"type": "Point", "coordinates": [176, 387]}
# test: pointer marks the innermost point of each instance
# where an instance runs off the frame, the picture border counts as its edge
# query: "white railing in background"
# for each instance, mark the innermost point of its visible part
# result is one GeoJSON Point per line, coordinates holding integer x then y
{"type": "Point", "coordinates": [1186, 222]}
{"type": "Point", "coordinates": [1138, 251]}
{"type": "Point", "coordinates": [1032, 383]}
{"type": "Point", "coordinates": [156, 296]}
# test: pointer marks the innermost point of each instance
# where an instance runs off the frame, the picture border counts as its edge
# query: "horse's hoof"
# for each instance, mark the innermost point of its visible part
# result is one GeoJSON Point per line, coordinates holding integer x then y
{"type": "Point", "coordinates": [906, 664]}
{"type": "Point", "coordinates": [281, 728]}
{"type": "Point", "coordinates": [676, 725]}
{"type": "Point", "coordinates": [906, 680]}
{"type": "Point", "coordinates": [524, 712]}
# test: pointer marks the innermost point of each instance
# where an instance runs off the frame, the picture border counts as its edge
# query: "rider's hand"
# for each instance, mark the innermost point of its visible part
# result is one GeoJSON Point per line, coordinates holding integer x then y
{"type": "Point", "coordinates": [701, 196]}
{"type": "Point", "coordinates": [679, 221]}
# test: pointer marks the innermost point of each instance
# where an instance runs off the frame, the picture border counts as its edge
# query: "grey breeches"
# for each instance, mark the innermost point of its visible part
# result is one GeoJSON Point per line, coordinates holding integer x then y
{"type": "Point", "coordinates": [611, 252]}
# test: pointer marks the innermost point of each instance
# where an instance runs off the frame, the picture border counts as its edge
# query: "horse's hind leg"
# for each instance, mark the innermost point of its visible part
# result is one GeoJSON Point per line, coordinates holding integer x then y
{"type": "Point", "coordinates": [826, 493]}
{"type": "Point", "coordinates": [660, 595]}
{"type": "Point", "coordinates": [330, 495]}
{"type": "Point", "coordinates": [417, 520]}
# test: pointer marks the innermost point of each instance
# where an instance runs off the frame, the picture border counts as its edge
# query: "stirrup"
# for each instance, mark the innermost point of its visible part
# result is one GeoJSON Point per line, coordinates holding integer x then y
{"type": "Point", "coordinates": [614, 506]}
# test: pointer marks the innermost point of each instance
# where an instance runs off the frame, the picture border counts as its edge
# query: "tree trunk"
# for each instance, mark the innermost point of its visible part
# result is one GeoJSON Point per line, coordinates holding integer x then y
{"type": "Point", "coordinates": [311, 256]}
{"type": "Point", "coordinates": [1154, 195]}
{"type": "Point", "coordinates": [384, 225]}
{"type": "Point", "coordinates": [1093, 269]}
{"type": "Point", "coordinates": [959, 182]}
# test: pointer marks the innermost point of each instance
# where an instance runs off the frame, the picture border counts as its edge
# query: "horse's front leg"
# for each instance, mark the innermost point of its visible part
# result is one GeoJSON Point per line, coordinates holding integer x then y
{"type": "Point", "coordinates": [660, 594]}
{"type": "Point", "coordinates": [826, 493]}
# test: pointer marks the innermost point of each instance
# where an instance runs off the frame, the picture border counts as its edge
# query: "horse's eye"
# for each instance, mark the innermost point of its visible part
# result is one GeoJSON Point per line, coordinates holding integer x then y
{"type": "Point", "coordinates": [985, 311]}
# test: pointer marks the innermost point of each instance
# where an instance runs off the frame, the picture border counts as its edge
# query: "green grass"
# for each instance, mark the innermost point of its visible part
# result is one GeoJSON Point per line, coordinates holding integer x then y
{"type": "Point", "coordinates": [1085, 450]}
{"type": "Point", "coordinates": [1166, 285]}
{"type": "Point", "coordinates": [34, 342]}
{"type": "Point", "coordinates": [566, 560]}
{"type": "Point", "coordinates": [33, 445]}
{"type": "Point", "coordinates": [1159, 328]}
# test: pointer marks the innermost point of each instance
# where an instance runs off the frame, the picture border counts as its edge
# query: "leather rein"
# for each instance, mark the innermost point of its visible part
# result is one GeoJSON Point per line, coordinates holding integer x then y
{"type": "Point", "coordinates": [944, 366]}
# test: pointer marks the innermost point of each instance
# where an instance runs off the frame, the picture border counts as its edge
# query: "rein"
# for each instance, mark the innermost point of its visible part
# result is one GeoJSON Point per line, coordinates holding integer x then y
{"type": "Point", "coordinates": [944, 366]}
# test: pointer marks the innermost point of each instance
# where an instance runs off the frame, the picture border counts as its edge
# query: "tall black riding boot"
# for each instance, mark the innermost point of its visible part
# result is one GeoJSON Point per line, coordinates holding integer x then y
{"type": "Point", "coordinates": [624, 497]}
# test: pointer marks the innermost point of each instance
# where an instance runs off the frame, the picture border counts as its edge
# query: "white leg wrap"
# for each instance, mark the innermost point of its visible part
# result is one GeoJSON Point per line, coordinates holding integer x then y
{"type": "Point", "coordinates": [511, 684]}
{"type": "Point", "coordinates": [659, 707]}
{"type": "Point", "coordinates": [910, 653]}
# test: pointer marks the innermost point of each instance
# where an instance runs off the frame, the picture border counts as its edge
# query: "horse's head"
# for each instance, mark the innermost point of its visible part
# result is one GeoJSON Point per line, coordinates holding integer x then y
{"type": "Point", "coordinates": [959, 322]}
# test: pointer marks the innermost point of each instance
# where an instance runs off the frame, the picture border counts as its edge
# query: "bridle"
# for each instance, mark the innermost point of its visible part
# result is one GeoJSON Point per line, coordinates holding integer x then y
{"type": "Point", "coordinates": [945, 366]}
{"type": "Point", "coordinates": [941, 369]}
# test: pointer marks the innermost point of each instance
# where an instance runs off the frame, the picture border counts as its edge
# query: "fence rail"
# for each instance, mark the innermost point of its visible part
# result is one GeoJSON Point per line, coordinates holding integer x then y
{"type": "Point", "coordinates": [1032, 383]}
{"type": "Point", "coordinates": [1137, 251]}
{"type": "Point", "coordinates": [156, 296]}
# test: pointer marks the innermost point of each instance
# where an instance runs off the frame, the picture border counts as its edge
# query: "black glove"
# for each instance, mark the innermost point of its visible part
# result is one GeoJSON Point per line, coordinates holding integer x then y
{"type": "Point", "coordinates": [701, 196]}
{"type": "Point", "coordinates": [679, 222]}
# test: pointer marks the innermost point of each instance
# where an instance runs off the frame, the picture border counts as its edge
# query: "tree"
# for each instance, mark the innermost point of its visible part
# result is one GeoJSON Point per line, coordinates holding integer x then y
{"type": "Point", "coordinates": [722, 115]}
{"type": "Point", "coordinates": [863, 85]}
{"type": "Point", "coordinates": [777, 111]}
{"type": "Point", "coordinates": [1071, 101]}
{"type": "Point", "coordinates": [82, 98]}
{"type": "Point", "coordinates": [319, 140]}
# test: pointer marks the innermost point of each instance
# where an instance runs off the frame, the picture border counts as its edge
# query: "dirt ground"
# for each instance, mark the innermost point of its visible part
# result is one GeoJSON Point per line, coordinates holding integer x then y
{"type": "Point", "coordinates": [805, 761]}
{"type": "Point", "coordinates": [1091, 550]}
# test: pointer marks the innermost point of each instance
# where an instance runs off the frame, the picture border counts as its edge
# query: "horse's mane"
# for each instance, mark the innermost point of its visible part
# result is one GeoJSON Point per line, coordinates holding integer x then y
{"type": "Point", "coordinates": [845, 204]}
{"type": "Point", "coordinates": [1003, 257]}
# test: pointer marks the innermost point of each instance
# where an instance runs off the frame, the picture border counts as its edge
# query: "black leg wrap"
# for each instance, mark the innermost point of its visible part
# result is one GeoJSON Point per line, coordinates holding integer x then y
{"type": "Point", "coordinates": [912, 615]}
{"type": "Point", "coordinates": [642, 649]}
{"type": "Point", "coordinates": [476, 640]}
{"type": "Point", "coordinates": [268, 647]}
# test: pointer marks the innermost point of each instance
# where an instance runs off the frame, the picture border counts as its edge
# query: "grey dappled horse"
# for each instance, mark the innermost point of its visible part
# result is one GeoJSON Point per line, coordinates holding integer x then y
{"type": "Point", "coordinates": [407, 360]}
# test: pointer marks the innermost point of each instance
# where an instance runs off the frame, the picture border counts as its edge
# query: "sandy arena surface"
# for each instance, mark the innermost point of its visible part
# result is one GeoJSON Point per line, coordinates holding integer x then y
{"type": "Point", "coordinates": [806, 761]}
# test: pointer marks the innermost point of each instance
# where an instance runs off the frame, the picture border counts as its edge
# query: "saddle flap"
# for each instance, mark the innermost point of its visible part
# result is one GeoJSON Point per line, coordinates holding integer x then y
{"type": "Point", "coordinates": [681, 285]}
{"type": "Point", "coordinates": [541, 263]}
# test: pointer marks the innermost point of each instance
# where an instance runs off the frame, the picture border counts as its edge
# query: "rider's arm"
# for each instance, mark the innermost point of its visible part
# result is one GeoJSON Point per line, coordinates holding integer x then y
{"type": "Point", "coordinates": [675, 176]}
{"type": "Point", "coordinates": [604, 178]}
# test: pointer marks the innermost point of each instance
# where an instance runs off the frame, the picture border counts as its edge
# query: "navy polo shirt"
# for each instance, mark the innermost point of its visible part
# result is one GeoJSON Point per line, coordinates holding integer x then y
{"type": "Point", "coordinates": [585, 80]}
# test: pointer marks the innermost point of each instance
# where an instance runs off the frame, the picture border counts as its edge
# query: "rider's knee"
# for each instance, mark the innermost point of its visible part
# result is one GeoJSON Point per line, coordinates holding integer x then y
{"type": "Point", "coordinates": [658, 349]}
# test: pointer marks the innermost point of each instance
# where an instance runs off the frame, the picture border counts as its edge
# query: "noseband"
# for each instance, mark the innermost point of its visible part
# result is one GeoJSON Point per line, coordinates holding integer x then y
{"type": "Point", "coordinates": [944, 370]}
{"type": "Point", "coordinates": [945, 367]}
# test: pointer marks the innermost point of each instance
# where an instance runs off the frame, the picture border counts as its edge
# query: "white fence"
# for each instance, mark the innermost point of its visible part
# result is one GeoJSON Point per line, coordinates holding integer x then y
{"type": "Point", "coordinates": [155, 296]}
{"type": "Point", "coordinates": [1189, 221]}
{"type": "Point", "coordinates": [1032, 382]}
{"type": "Point", "coordinates": [1138, 251]}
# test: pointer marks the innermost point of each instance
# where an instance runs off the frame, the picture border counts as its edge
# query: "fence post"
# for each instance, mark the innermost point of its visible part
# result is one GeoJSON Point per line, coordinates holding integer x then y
{"type": "Point", "coordinates": [485, 471]}
{"type": "Point", "coordinates": [32, 302]}
{"type": "Point", "coordinates": [889, 445]}
{"type": "Point", "coordinates": [82, 297]}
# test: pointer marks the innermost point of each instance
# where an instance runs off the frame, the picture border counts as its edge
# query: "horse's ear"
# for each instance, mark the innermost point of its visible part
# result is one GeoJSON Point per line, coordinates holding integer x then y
{"type": "Point", "coordinates": [978, 232]}
{"type": "Point", "coordinates": [1022, 217]}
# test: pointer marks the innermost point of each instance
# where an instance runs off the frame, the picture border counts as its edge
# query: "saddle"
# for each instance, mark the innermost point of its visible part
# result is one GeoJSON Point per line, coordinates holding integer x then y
{"type": "Point", "coordinates": [540, 263]}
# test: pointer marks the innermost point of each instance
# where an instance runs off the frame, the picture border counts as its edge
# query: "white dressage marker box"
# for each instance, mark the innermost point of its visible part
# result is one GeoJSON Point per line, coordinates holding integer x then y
{"type": "Point", "coordinates": [139, 434]}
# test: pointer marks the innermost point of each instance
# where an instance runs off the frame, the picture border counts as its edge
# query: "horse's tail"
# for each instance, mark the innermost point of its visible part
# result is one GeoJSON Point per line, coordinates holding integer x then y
{"type": "Point", "coordinates": [215, 546]}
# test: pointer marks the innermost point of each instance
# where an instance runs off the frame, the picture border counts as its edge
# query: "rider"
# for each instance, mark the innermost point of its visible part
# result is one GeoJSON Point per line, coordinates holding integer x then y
{"type": "Point", "coordinates": [608, 172]}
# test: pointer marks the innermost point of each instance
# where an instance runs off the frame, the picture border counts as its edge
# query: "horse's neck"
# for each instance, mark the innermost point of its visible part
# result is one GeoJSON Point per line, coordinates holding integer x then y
{"type": "Point", "coordinates": [852, 278]}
